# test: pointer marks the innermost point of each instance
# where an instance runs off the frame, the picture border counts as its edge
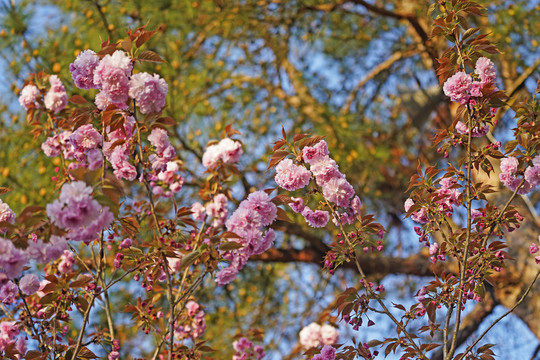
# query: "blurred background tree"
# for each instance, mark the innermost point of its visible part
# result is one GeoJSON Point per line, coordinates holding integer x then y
{"type": "Point", "coordinates": [362, 73]}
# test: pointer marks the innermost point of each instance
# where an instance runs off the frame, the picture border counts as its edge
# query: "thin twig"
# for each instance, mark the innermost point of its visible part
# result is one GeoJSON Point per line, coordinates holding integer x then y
{"type": "Point", "coordinates": [103, 18]}
{"type": "Point", "coordinates": [370, 290]}
{"type": "Point", "coordinates": [463, 266]}
{"type": "Point", "coordinates": [503, 316]}
{"type": "Point", "coordinates": [413, 21]}
{"type": "Point", "coordinates": [385, 65]}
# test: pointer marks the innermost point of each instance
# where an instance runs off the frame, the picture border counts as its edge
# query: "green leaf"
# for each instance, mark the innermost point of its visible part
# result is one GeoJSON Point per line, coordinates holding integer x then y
{"type": "Point", "coordinates": [189, 259]}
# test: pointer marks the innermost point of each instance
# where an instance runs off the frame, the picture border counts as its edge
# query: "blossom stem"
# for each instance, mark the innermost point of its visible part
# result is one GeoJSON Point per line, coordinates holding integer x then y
{"type": "Point", "coordinates": [463, 263]}
{"type": "Point", "coordinates": [170, 298]}
{"type": "Point", "coordinates": [369, 289]}
{"type": "Point", "coordinates": [91, 303]}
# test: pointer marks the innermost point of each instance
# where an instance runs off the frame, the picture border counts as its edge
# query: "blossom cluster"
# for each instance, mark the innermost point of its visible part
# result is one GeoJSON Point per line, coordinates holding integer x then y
{"type": "Point", "coordinates": [82, 145]}
{"type": "Point", "coordinates": [419, 216]}
{"type": "Point", "coordinates": [195, 324]}
{"type": "Point", "coordinates": [55, 99]}
{"type": "Point", "coordinates": [85, 145]}
{"type": "Point", "coordinates": [335, 187]}
{"type": "Point", "coordinates": [165, 170]}
{"type": "Point", "coordinates": [113, 76]}
{"type": "Point", "coordinates": [461, 87]}
{"type": "Point", "coordinates": [13, 260]}
{"type": "Point", "coordinates": [533, 250]}
{"type": "Point", "coordinates": [117, 149]}
{"type": "Point", "coordinates": [8, 337]}
{"type": "Point", "coordinates": [59, 144]}
{"type": "Point", "coordinates": [253, 213]}
{"type": "Point", "coordinates": [509, 175]}
{"type": "Point", "coordinates": [86, 141]}
{"type": "Point", "coordinates": [464, 89]}
{"type": "Point", "coordinates": [114, 354]}
{"type": "Point", "coordinates": [216, 209]}
{"type": "Point", "coordinates": [246, 350]}
{"type": "Point", "coordinates": [447, 195]}
{"type": "Point", "coordinates": [327, 353]}
{"type": "Point", "coordinates": [226, 151]}
{"type": "Point", "coordinates": [6, 214]}
{"type": "Point", "coordinates": [315, 335]}
{"type": "Point", "coordinates": [77, 211]}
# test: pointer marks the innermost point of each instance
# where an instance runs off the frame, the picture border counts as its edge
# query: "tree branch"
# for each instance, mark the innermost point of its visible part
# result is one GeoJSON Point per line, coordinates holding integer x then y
{"type": "Point", "coordinates": [99, 8]}
{"type": "Point", "coordinates": [418, 265]}
{"type": "Point", "coordinates": [385, 65]}
{"type": "Point", "coordinates": [413, 21]}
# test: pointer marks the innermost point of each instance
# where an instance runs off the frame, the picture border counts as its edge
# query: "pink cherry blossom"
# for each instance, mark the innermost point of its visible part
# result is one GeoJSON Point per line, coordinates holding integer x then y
{"type": "Point", "coordinates": [56, 98]}
{"type": "Point", "coordinates": [311, 154]}
{"type": "Point", "coordinates": [485, 69]}
{"type": "Point", "coordinates": [86, 138]}
{"type": "Point", "coordinates": [8, 291]}
{"type": "Point", "coordinates": [12, 259]}
{"type": "Point", "coordinates": [29, 284]}
{"type": "Point", "coordinates": [198, 211]}
{"type": "Point", "coordinates": [290, 176]}
{"type": "Point", "coordinates": [6, 214]}
{"type": "Point", "coordinates": [260, 202]}
{"type": "Point", "coordinates": [310, 336]}
{"type": "Point", "coordinates": [29, 97]}
{"type": "Point", "coordinates": [217, 209]}
{"type": "Point", "coordinates": [316, 219]}
{"type": "Point", "coordinates": [77, 211]}
{"type": "Point", "coordinates": [82, 69]}
{"type": "Point", "coordinates": [227, 150]}
{"type": "Point", "coordinates": [149, 92]}
{"type": "Point", "coordinates": [458, 86]}
{"type": "Point", "coordinates": [112, 77]}
{"type": "Point", "coordinates": [329, 334]}
{"type": "Point", "coordinates": [338, 191]}
{"type": "Point", "coordinates": [297, 204]}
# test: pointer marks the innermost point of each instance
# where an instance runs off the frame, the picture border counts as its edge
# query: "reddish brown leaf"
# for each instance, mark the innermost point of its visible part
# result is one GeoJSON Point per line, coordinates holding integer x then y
{"type": "Point", "coordinates": [230, 131]}
{"type": "Point", "coordinates": [281, 199]}
{"type": "Point", "coordinates": [167, 121]}
{"type": "Point", "coordinates": [230, 235]}
{"type": "Point", "coordinates": [282, 215]}
{"type": "Point", "coordinates": [150, 56]}
{"type": "Point", "coordinates": [276, 158]}
{"type": "Point", "coordinates": [298, 137]}
{"type": "Point", "coordinates": [77, 99]}
{"type": "Point", "coordinates": [144, 37]}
